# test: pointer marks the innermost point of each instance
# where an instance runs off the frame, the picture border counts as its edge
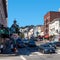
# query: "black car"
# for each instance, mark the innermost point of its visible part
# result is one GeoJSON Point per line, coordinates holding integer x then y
{"type": "Point", "coordinates": [51, 44]}
{"type": "Point", "coordinates": [35, 38]}
{"type": "Point", "coordinates": [20, 43]}
{"type": "Point", "coordinates": [57, 43]}
{"type": "Point", "coordinates": [25, 41]}
{"type": "Point", "coordinates": [44, 48]}
{"type": "Point", "coordinates": [31, 43]}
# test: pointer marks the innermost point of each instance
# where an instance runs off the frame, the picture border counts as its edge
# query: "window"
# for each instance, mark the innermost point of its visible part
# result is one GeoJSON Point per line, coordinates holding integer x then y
{"type": "Point", "coordinates": [46, 25]}
{"type": "Point", "coordinates": [56, 31]}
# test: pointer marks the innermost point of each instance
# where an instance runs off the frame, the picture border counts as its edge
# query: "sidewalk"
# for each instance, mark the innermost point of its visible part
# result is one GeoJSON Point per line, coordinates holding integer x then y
{"type": "Point", "coordinates": [8, 55]}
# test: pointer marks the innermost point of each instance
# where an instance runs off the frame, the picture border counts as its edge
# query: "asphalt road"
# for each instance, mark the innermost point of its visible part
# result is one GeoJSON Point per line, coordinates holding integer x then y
{"type": "Point", "coordinates": [31, 53]}
{"type": "Point", "coordinates": [33, 57]}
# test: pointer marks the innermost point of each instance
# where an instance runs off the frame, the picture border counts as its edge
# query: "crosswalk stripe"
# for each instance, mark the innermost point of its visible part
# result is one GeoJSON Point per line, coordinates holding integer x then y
{"type": "Point", "coordinates": [23, 58]}
{"type": "Point", "coordinates": [32, 55]}
{"type": "Point", "coordinates": [58, 53]}
{"type": "Point", "coordinates": [37, 53]}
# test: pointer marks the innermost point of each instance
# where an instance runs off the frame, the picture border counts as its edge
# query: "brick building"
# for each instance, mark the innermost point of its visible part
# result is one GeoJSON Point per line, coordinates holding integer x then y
{"type": "Point", "coordinates": [3, 12]}
{"type": "Point", "coordinates": [48, 18]}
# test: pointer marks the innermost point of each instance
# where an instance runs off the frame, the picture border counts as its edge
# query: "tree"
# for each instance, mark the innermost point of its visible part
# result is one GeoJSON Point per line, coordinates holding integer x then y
{"type": "Point", "coordinates": [21, 35]}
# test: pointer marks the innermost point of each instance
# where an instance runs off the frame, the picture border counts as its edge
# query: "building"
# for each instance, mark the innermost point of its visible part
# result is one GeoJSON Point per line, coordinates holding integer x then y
{"type": "Point", "coordinates": [30, 31]}
{"type": "Point", "coordinates": [54, 28]}
{"type": "Point", "coordinates": [48, 18]}
{"type": "Point", "coordinates": [3, 12]}
{"type": "Point", "coordinates": [24, 30]}
{"type": "Point", "coordinates": [38, 30]}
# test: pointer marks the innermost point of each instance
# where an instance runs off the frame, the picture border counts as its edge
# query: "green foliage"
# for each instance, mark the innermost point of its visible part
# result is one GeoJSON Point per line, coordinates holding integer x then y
{"type": "Point", "coordinates": [21, 35]}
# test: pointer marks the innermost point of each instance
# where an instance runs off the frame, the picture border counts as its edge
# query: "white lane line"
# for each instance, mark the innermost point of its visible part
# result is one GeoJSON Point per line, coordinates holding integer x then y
{"type": "Point", "coordinates": [38, 53]}
{"type": "Point", "coordinates": [58, 51]}
{"type": "Point", "coordinates": [23, 58]}
{"type": "Point", "coordinates": [32, 55]}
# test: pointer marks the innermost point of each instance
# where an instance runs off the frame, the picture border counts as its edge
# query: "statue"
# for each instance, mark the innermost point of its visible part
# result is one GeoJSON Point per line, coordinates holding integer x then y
{"type": "Point", "coordinates": [15, 27]}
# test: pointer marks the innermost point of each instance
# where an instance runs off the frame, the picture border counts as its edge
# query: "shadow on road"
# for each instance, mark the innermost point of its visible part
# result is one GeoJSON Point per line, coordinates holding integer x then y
{"type": "Point", "coordinates": [27, 50]}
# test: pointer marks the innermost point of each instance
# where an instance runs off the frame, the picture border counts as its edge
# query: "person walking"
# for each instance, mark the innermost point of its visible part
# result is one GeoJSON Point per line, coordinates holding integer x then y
{"type": "Point", "coordinates": [7, 45]}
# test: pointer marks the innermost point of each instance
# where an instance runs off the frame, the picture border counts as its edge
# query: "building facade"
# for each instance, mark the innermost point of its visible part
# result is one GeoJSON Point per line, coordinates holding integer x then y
{"type": "Point", "coordinates": [32, 31]}
{"type": "Point", "coordinates": [48, 18]}
{"type": "Point", "coordinates": [3, 12]}
{"type": "Point", "coordinates": [38, 31]}
{"type": "Point", "coordinates": [24, 31]}
{"type": "Point", "coordinates": [54, 28]}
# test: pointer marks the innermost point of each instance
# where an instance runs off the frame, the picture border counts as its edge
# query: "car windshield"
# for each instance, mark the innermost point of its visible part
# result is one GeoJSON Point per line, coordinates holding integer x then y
{"type": "Point", "coordinates": [55, 42]}
{"type": "Point", "coordinates": [25, 40]}
{"type": "Point", "coordinates": [50, 43]}
{"type": "Point", "coordinates": [31, 41]}
{"type": "Point", "coordinates": [45, 45]}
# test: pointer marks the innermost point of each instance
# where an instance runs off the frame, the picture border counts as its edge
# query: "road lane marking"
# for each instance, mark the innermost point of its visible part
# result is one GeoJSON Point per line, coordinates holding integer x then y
{"type": "Point", "coordinates": [37, 53]}
{"type": "Point", "coordinates": [58, 50]}
{"type": "Point", "coordinates": [23, 58]}
{"type": "Point", "coordinates": [58, 53]}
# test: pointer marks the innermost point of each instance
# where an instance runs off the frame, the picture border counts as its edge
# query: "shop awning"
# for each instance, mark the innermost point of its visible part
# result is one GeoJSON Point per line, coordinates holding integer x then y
{"type": "Point", "coordinates": [46, 36]}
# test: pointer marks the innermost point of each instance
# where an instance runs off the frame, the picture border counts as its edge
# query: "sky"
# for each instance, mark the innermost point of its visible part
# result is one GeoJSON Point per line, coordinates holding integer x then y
{"type": "Point", "coordinates": [30, 12]}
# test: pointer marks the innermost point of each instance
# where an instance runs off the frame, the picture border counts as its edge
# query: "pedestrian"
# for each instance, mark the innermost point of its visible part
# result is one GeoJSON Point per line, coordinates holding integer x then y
{"type": "Point", "coordinates": [1, 47]}
{"type": "Point", "coordinates": [14, 38]}
{"type": "Point", "coordinates": [7, 45]}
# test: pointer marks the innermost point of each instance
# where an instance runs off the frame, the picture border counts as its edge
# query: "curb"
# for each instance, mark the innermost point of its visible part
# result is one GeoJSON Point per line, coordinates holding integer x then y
{"type": "Point", "coordinates": [7, 55]}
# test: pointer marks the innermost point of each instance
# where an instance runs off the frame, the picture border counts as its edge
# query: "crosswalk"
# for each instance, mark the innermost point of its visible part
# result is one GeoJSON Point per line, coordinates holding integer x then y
{"type": "Point", "coordinates": [41, 54]}
{"type": "Point", "coordinates": [58, 51]}
{"type": "Point", "coordinates": [31, 55]}
{"type": "Point", "coordinates": [36, 53]}
{"type": "Point", "coordinates": [21, 57]}
{"type": "Point", "coordinates": [24, 57]}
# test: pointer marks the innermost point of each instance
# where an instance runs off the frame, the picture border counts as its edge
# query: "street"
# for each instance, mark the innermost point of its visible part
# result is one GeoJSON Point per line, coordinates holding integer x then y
{"type": "Point", "coordinates": [29, 30]}
{"type": "Point", "coordinates": [32, 53]}
{"type": "Point", "coordinates": [33, 57]}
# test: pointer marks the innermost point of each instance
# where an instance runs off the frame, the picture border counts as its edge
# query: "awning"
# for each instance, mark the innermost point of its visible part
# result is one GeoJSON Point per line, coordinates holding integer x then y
{"type": "Point", "coordinates": [46, 36]}
{"type": "Point", "coordinates": [40, 36]}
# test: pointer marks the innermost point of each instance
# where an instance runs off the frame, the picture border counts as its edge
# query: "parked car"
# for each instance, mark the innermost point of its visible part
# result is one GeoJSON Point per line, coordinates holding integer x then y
{"type": "Point", "coordinates": [25, 41]}
{"type": "Point", "coordinates": [35, 39]}
{"type": "Point", "coordinates": [57, 43]}
{"type": "Point", "coordinates": [20, 43]}
{"type": "Point", "coordinates": [51, 44]}
{"type": "Point", "coordinates": [31, 43]}
{"type": "Point", "coordinates": [46, 49]}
